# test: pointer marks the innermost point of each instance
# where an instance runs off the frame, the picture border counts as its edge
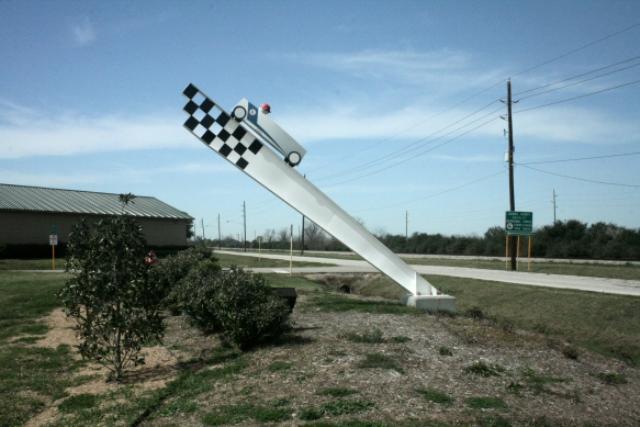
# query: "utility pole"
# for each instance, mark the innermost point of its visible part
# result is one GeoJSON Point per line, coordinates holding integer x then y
{"type": "Point", "coordinates": [512, 197]}
{"type": "Point", "coordinates": [219, 238]}
{"type": "Point", "coordinates": [202, 223]}
{"type": "Point", "coordinates": [302, 234]}
{"type": "Point", "coordinates": [244, 220]}
{"type": "Point", "coordinates": [406, 225]}
{"type": "Point", "coordinates": [555, 207]}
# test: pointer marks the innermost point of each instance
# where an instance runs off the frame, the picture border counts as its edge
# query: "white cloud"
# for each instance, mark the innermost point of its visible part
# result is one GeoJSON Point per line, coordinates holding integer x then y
{"type": "Point", "coordinates": [139, 174]}
{"type": "Point", "coordinates": [454, 69]}
{"type": "Point", "coordinates": [563, 124]}
{"type": "Point", "coordinates": [27, 133]}
{"type": "Point", "coordinates": [577, 125]}
{"type": "Point", "coordinates": [83, 32]}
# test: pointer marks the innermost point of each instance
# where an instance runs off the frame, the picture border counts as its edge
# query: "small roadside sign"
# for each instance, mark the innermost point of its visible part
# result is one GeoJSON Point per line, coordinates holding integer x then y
{"type": "Point", "coordinates": [519, 223]}
{"type": "Point", "coordinates": [53, 239]}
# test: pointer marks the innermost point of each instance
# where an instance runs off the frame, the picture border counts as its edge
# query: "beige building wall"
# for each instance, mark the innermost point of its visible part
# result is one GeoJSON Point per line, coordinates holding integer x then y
{"type": "Point", "coordinates": [34, 228]}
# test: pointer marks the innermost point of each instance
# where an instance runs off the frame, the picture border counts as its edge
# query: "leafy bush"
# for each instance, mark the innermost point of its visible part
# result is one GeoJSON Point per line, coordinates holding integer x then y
{"type": "Point", "coordinates": [196, 292]}
{"type": "Point", "coordinates": [170, 271]}
{"type": "Point", "coordinates": [247, 309]}
{"type": "Point", "coordinates": [116, 307]}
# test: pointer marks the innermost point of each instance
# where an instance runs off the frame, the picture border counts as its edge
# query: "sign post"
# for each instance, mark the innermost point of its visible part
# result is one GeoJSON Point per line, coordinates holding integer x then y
{"type": "Point", "coordinates": [519, 223]}
{"type": "Point", "coordinates": [53, 242]}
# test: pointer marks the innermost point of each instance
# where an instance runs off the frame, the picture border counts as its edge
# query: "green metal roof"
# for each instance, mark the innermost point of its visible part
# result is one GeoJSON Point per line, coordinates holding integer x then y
{"type": "Point", "coordinates": [41, 199]}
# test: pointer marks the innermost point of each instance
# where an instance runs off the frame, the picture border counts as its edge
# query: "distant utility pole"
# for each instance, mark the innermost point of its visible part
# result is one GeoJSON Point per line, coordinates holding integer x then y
{"type": "Point", "coordinates": [512, 197]}
{"type": "Point", "coordinates": [302, 234]}
{"type": "Point", "coordinates": [244, 220]}
{"type": "Point", "coordinates": [219, 238]}
{"type": "Point", "coordinates": [555, 207]}
{"type": "Point", "coordinates": [406, 225]}
{"type": "Point", "coordinates": [202, 223]}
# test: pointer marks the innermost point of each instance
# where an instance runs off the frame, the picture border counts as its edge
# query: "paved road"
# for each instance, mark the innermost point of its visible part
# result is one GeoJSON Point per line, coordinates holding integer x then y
{"type": "Point", "coordinates": [324, 254]}
{"type": "Point", "coordinates": [582, 283]}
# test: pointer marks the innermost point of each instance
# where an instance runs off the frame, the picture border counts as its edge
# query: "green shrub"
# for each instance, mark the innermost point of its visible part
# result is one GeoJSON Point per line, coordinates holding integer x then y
{"type": "Point", "coordinates": [116, 307]}
{"type": "Point", "coordinates": [170, 271]}
{"type": "Point", "coordinates": [247, 308]}
{"type": "Point", "coordinates": [196, 292]}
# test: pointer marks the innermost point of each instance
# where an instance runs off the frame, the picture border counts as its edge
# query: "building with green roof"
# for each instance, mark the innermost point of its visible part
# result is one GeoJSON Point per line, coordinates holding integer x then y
{"type": "Point", "coordinates": [28, 215]}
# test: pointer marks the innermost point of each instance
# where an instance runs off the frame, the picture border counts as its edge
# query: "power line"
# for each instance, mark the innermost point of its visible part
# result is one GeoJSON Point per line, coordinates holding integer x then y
{"type": "Point", "coordinates": [581, 81]}
{"type": "Point", "coordinates": [439, 193]}
{"type": "Point", "coordinates": [423, 152]}
{"type": "Point", "coordinates": [624, 61]}
{"type": "Point", "coordinates": [573, 98]}
{"type": "Point", "coordinates": [593, 181]}
{"type": "Point", "coordinates": [578, 49]}
{"type": "Point", "coordinates": [415, 145]}
{"type": "Point", "coordinates": [576, 159]}
{"type": "Point", "coordinates": [418, 123]}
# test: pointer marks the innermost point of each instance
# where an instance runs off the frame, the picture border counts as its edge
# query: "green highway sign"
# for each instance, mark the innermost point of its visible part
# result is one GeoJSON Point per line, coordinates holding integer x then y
{"type": "Point", "coordinates": [519, 223]}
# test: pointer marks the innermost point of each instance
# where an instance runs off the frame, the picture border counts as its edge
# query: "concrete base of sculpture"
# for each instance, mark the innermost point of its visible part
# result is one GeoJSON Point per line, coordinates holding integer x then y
{"type": "Point", "coordinates": [431, 303]}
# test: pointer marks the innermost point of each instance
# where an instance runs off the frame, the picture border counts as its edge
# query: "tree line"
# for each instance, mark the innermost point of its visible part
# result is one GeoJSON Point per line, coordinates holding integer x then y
{"type": "Point", "coordinates": [563, 239]}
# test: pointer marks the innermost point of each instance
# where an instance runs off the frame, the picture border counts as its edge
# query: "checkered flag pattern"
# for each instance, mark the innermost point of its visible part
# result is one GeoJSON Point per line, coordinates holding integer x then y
{"type": "Point", "coordinates": [213, 126]}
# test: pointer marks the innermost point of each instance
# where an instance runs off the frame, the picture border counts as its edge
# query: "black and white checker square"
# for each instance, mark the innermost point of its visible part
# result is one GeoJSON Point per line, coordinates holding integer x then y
{"type": "Point", "coordinates": [213, 126]}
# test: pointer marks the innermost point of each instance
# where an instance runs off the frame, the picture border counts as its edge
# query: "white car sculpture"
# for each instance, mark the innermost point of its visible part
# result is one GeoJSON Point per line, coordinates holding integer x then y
{"type": "Point", "coordinates": [259, 123]}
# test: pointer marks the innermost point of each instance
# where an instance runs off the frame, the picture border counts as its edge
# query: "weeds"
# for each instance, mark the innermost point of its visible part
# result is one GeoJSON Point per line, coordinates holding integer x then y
{"type": "Point", "coordinates": [345, 407]}
{"type": "Point", "coordinates": [444, 351]}
{"type": "Point", "coordinates": [371, 337]}
{"type": "Point", "coordinates": [78, 402]}
{"type": "Point", "coordinates": [486, 402]}
{"type": "Point", "coordinates": [233, 414]}
{"type": "Point", "coordinates": [484, 369]}
{"type": "Point", "coordinates": [612, 378]}
{"type": "Point", "coordinates": [570, 352]}
{"type": "Point", "coordinates": [380, 361]}
{"type": "Point", "coordinates": [537, 382]}
{"type": "Point", "coordinates": [435, 396]}
{"type": "Point", "coordinates": [279, 365]}
{"type": "Point", "coordinates": [337, 392]}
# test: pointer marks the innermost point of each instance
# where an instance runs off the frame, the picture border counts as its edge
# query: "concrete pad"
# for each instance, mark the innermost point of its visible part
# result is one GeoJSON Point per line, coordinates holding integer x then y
{"type": "Point", "coordinates": [431, 303]}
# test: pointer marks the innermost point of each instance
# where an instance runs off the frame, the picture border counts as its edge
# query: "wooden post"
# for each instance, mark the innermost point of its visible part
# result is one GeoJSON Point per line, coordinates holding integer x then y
{"type": "Point", "coordinates": [506, 253]}
{"type": "Point", "coordinates": [291, 254]}
{"type": "Point", "coordinates": [529, 255]}
{"type": "Point", "coordinates": [259, 247]}
{"type": "Point", "coordinates": [53, 257]}
{"type": "Point", "coordinates": [518, 254]}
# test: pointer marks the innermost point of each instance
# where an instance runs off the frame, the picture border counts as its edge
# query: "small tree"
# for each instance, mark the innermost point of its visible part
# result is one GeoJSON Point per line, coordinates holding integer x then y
{"type": "Point", "coordinates": [116, 307]}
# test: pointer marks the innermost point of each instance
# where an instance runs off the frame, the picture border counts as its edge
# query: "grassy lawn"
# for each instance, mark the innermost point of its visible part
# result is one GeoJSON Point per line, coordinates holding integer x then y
{"type": "Point", "coordinates": [30, 377]}
{"type": "Point", "coordinates": [627, 272]}
{"type": "Point", "coordinates": [30, 264]}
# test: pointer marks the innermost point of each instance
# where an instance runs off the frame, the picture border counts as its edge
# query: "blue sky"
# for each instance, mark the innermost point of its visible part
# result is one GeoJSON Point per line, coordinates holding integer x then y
{"type": "Point", "coordinates": [397, 103]}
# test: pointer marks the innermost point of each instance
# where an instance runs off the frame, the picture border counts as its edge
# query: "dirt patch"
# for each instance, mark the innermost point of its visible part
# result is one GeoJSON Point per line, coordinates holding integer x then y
{"type": "Point", "coordinates": [61, 330]}
{"type": "Point", "coordinates": [160, 367]}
